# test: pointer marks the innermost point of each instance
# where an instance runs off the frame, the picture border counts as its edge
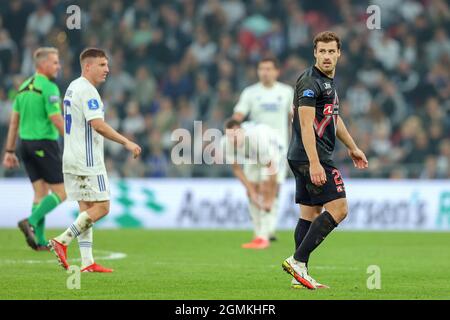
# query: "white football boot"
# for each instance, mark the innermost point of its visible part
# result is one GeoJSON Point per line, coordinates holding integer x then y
{"type": "Point", "coordinates": [299, 271]}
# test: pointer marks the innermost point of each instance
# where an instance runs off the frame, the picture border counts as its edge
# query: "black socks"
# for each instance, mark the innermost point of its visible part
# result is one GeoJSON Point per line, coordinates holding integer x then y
{"type": "Point", "coordinates": [300, 231]}
{"type": "Point", "coordinates": [318, 231]}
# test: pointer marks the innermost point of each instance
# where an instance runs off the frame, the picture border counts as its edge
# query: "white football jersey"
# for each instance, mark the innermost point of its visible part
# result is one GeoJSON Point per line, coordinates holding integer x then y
{"type": "Point", "coordinates": [262, 145]}
{"type": "Point", "coordinates": [83, 146]}
{"type": "Point", "coordinates": [270, 106]}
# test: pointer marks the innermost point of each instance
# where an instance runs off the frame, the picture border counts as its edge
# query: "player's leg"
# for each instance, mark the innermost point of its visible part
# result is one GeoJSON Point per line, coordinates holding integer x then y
{"type": "Point", "coordinates": [298, 270]}
{"type": "Point", "coordinates": [83, 222]}
{"type": "Point", "coordinates": [265, 216]}
{"type": "Point", "coordinates": [46, 205]}
{"type": "Point", "coordinates": [85, 243]}
{"type": "Point", "coordinates": [273, 216]}
{"type": "Point", "coordinates": [49, 165]}
{"type": "Point", "coordinates": [332, 195]}
{"type": "Point", "coordinates": [93, 189]}
{"type": "Point", "coordinates": [41, 190]}
{"type": "Point", "coordinates": [281, 177]}
{"type": "Point", "coordinates": [260, 240]}
{"type": "Point", "coordinates": [307, 215]}
{"type": "Point", "coordinates": [85, 239]}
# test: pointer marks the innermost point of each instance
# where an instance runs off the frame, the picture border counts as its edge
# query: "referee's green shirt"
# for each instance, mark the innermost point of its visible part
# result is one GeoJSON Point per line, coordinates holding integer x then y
{"type": "Point", "coordinates": [37, 99]}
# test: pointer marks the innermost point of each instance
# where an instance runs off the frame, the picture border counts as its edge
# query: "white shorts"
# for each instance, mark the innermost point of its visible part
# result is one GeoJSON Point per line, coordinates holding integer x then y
{"type": "Point", "coordinates": [86, 188]}
{"type": "Point", "coordinates": [257, 173]}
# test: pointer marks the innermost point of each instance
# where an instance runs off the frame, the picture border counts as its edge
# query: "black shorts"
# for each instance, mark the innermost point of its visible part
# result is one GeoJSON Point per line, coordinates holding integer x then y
{"type": "Point", "coordinates": [309, 194]}
{"type": "Point", "coordinates": [42, 160]}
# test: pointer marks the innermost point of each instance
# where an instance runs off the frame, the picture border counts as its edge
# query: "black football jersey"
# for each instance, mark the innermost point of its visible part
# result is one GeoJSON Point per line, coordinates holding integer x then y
{"type": "Point", "coordinates": [315, 89]}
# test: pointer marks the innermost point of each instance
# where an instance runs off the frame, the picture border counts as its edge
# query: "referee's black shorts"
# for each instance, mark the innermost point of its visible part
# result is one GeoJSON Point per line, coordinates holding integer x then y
{"type": "Point", "coordinates": [42, 160]}
{"type": "Point", "coordinates": [309, 194]}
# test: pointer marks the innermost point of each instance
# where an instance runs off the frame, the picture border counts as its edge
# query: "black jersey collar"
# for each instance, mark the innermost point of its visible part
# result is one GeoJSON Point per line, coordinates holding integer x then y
{"type": "Point", "coordinates": [323, 74]}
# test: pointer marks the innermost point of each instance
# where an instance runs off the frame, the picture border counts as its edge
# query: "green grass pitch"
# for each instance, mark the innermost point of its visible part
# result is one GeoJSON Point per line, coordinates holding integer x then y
{"type": "Point", "coordinates": [178, 265]}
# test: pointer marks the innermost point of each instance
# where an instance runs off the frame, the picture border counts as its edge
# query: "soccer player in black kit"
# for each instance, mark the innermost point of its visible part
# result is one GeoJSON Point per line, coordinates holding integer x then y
{"type": "Point", "coordinates": [319, 183]}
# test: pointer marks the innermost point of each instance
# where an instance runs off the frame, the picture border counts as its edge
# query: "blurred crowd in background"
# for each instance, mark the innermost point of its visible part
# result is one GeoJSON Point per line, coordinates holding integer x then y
{"type": "Point", "coordinates": [173, 62]}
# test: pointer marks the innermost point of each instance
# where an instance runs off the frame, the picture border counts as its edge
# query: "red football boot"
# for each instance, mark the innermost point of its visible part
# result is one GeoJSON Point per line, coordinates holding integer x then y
{"type": "Point", "coordinates": [96, 268]}
{"type": "Point", "coordinates": [60, 252]}
{"type": "Point", "coordinates": [257, 243]}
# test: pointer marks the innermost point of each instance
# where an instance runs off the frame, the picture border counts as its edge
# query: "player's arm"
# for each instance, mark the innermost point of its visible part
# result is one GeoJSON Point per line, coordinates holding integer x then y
{"type": "Point", "coordinates": [242, 108]}
{"type": "Point", "coordinates": [358, 157]}
{"type": "Point", "coordinates": [307, 115]}
{"type": "Point", "coordinates": [108, 132]}
{"type": "Point", "coordinates": [239, 116]}
{"type": "Point", "coordinates": [252, 193]}
{"type": "Point", "coordinates": [10, 159]}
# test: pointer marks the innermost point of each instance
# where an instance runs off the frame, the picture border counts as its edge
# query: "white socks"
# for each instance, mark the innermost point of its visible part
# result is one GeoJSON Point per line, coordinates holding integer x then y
{"type": "Point", "coordinates": [81, 224]}
{"type": "Point", "coordinates": [256, 218]}
{"type": "Point", "coordinates": [85, 244]}
{"type": "Point", "coordinates": [273, 217]}
{"type": "Point", "coordinates": [261, 221]}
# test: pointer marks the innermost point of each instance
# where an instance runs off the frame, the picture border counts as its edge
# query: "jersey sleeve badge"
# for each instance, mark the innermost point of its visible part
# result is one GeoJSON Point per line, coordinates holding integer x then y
{"type": "Point", "coordinates": [93, 104]}
{"type": "Point", "coordinates": [308, 93]}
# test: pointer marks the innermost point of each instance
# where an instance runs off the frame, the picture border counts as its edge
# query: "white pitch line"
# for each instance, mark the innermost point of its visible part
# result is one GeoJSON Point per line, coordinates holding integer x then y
{"type": "Point", "coordinates": [105, 255]}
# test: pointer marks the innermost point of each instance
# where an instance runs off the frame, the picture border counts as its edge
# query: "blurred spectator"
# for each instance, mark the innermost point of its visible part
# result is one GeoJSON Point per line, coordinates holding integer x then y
{"type": "Point", "coordinates": [176, 84]}
{"type": "Point", "coordinates": [40, 21]}
{"type": "Point", "coordinates": [175, 62]}
{"type": "Point", "coordinates": [133, 123]}
{"type": "Point", "coordinates": [145, 88]}
{"type": "Point", "coordinates": [8, 50]}
{"type": "Point", "coordinates": [203, 49]}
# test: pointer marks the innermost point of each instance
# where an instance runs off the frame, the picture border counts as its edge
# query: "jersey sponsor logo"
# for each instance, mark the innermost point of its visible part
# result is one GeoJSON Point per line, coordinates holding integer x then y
{"type": "Point", "coordinates": [328, 109]}
{"type": "Point", "coordinates": [308, 93]}
{"type": "Point", "coordinates": [269, 106]}
{"type": "Point", "coordinates": [53, 99]}
{"type": "Point", "coordinates": [93, 104]}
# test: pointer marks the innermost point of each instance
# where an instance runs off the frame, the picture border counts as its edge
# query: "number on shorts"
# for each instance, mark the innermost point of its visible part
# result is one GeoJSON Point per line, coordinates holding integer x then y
{"type": "Point", "coordinates": [337, 177]}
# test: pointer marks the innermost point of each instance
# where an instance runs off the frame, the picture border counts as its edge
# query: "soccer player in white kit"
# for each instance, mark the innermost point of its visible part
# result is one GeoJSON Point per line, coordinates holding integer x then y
{"type": "Point", "coordinates": [258, 148]}
{"type": "Point", "coordinates": [268, 102]}
{"type": "Point", "coordinates": [85, 177]}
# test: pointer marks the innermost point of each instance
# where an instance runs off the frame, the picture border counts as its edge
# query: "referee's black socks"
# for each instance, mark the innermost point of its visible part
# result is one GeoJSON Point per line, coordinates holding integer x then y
{"type": "Point", "coordinates": [318, 231]}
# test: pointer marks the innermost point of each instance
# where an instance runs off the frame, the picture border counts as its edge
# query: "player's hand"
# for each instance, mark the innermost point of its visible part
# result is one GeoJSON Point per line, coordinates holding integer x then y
{"type": "Point", "coordinates": [10, 161]}
{"type": "Point", "coordinates": [267, 205]}
{"type": "Point", "coordinates": [359, 158]}
{"type": "Point", "coordinates": [317, 174]}
{"type": "Point", "coordinates": [133, 148]}
{"type": "Point", "coordinates": [255, 198]}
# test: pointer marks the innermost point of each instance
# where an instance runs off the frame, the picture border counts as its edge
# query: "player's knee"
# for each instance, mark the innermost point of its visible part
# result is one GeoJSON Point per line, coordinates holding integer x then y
{"type": "Point", "coordinates": [62, 195]}
{"type": "Point", "coordinates": [342, 211]}
{"type": "Point", "coordinates": [104, 208]}
{"type": "Point", "coordinates": [339, 211]}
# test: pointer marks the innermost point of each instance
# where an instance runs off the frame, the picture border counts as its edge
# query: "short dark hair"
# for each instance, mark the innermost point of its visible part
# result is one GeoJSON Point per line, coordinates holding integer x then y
{"type": "Point", "coordinates": [231, 123]}
{"type": "Point", "coordinates": [327, 36]}
{"type": "Point", "coordinates": [274, 60]}
{"type": "Point", "coordinates": [92, 53]}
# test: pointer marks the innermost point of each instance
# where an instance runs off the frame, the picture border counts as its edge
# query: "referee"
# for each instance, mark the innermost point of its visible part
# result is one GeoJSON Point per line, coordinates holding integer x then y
{"type": "Point", "coordinates": [37, 117]}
